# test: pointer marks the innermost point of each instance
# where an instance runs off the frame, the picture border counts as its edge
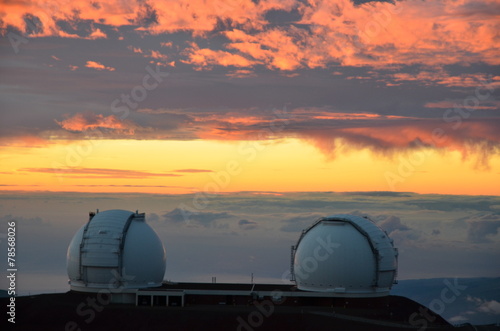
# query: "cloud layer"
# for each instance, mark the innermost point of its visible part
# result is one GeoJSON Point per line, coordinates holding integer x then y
{"type": "Point", "coordinates": [285, 35]}
{"type": "Point", "coordinates": [332, 132]}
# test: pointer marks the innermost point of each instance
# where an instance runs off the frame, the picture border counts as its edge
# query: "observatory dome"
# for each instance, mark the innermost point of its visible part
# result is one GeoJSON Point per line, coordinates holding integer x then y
{"type": "Point", "coordinates": [115, 249]}
{"type": "Point", "coordinates": [346, 255]}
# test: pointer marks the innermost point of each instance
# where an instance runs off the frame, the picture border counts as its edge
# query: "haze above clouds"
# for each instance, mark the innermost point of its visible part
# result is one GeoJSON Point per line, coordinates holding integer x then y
{"type": "Point", "coordinates": [243, 233]}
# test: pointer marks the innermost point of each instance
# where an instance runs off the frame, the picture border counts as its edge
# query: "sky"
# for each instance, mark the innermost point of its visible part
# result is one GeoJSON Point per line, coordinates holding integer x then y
{"type": "Point", "coordinates": [255, 118]}
{"type": "Point", "coordinates": [161, 97]}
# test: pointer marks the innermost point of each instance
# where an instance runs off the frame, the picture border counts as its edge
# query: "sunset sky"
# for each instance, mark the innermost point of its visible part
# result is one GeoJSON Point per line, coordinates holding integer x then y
{"type": "Point", "coordinates": [180, 97]}
{"type": "Point", "coordinates": [235, 124]}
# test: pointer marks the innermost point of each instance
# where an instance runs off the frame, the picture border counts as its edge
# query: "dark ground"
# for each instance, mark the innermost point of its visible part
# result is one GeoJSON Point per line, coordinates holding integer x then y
{"type": "Point", "coordinates": [83, 311]}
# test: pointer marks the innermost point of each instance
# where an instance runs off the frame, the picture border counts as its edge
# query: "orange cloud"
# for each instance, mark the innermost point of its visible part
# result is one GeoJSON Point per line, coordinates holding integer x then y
{"type": "Point", "coordinates": [200, 17]}
{"type": "Point", "coordinates": [205, 58]}
{"type": "Point", "coordinates": [25, 141]}
{"type": "Point", "coordinates": [78, 172]}
{"type": "Point", "coordinates": [383, 34]}
{"type": "Point", "coordinates": [448, 104]}
{"type": "Point", "coordinates": [158, 55]}
{"type": "Point", "coordinates": [97, 34]}
{"type": "Point", "coordinates": [306, 114]}
{"type": "Point", "coordinates": [89, 121]}
{"type": "Point", "coordinates": [274, 48]}
{"type": "Point", "coordinates": [441, 77]}
{"type": "Point", "coordinates": [241, 73]}
{"type": "Point", "coordinates": [197, 16]}
{"type": "Point", "coordinates": [43, 16]}
{"type": "Point", "coordinates": [135, 49]}
{"type": "Point", "coordinates": [98, 66]}
{"type": "Point", "coordinates": [193, 171]}
{"type": "Point", "coordinates": [377, 34]}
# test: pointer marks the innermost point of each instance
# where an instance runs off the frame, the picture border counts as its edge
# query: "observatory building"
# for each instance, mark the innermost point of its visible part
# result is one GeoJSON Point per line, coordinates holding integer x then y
{"type": "Point", "coordinates": [345, 255]}
{"type": "Point", "coordinates": [116, 249]}
{"type": "Point", "coordinates": [342, 269]}
{"type": "Point", "coordinates": [338, 257]}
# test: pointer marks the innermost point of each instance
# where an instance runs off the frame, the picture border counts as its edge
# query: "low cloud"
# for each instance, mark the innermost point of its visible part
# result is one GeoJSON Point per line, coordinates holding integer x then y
{"type": "Point", "coordinates": [486, 306]}
{"type": "Point", "coordinates": [152, 217]}
{"type": "Point", "coordinates": [391, 224]}
{"type": "Point", "coordinates": [204, 219]}
{"type": "Point", "coordinates": [483, 229]}
{"type": "Point", "coordinates": [401, 233]}
{"type": "Point", "coordinates": [247, 225]}
{"type": "Point", "coordinates": [299, 223]}
{"type": "Point", "coordinates": [24, 221]}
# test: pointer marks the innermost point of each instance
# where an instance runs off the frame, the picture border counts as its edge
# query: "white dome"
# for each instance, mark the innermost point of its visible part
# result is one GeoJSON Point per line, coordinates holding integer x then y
{"type": "Point", "coordinates": [115, 249]}
{"type": "Point", "coordinates": [346, 255]}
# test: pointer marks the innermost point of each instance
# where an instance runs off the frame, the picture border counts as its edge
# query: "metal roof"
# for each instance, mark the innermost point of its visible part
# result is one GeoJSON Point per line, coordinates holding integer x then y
{"type": "Point", "coordinates": [371, 271]}
{"type": "Point", "coordinates": [109, 251]}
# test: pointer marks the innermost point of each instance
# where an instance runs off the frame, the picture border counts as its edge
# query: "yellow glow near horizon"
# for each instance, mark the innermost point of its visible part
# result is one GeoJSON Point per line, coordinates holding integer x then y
{"type": "Point", "coordinates": [215, 166]}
